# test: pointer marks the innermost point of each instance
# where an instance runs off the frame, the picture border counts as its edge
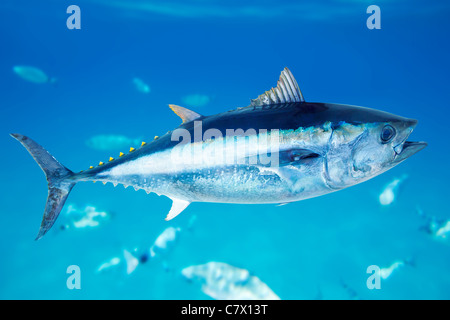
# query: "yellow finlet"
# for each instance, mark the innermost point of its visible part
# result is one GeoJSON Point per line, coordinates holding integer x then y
{"type": "Point", "coordinates": [121, 154]}
{"type": "Point", "coordinates": [111, 158]}
{"type": "Point", "coordinates": [143, 143]}
{"type": "Point", "coordinates": [91, 167]}
{"type": "Point", "coordinates": [156, 137]}
{"type": "Point", "coordinates": [132, 149]}
{"type": "Point", "coordinates": [100, 163]}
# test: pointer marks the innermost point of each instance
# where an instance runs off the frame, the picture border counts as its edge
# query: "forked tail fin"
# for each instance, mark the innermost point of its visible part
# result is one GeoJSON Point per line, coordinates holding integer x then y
{"type": "Point", "coordinates": [58, 177]}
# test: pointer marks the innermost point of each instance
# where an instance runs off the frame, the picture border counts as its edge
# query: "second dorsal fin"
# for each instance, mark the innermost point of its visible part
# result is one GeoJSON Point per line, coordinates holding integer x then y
{"type": "Point", "coordinates": [186, 115]}
{"type": "Point", "coordinates": [286, 91]}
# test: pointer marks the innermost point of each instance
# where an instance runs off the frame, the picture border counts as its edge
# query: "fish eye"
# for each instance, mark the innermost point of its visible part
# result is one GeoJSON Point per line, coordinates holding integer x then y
{"type": "Point", "coordinates": [387, 133]}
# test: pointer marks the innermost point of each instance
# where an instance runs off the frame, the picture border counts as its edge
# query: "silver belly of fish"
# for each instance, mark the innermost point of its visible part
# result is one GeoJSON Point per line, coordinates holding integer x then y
{"type": "Point", "coordinates": [214, 179]}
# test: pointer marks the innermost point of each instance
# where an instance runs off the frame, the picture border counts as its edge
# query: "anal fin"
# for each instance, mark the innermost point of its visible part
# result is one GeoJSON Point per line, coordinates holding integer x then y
{"type": "Point", "coordinates": [178, 206]}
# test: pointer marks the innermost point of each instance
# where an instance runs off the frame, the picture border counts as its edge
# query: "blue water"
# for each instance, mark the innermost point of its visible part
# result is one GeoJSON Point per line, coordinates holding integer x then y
{"type": "Point", "coordinates": [229, 52]}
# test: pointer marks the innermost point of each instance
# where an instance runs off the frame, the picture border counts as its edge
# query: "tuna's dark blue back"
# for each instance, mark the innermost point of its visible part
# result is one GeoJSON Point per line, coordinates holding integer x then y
{"type": "Point", "coordinates": [281, 116]}
{"type": "Point", "coordinates": [293, 116]}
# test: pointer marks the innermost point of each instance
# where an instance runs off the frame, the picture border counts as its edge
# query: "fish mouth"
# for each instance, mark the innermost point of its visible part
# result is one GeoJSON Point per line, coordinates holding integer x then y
{"type": "Point", "coordinates": [407, 149]}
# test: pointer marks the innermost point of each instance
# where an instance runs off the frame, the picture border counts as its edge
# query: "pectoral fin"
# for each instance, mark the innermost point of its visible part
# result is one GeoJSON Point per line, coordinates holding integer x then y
{"type": "Point", "coordinates": [285, 158]}
{"type": "Point", "coordinates": [178, 206]}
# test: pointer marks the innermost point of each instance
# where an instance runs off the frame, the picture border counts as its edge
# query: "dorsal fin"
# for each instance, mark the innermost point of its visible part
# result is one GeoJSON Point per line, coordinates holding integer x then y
{"type": "Point", "coordinates": [286, 91]}
{"type": "Point", "coordinates": [186, 115]}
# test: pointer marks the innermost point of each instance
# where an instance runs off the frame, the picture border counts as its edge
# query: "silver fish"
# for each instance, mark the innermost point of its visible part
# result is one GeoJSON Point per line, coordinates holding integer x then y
{"type": "Point", "coordinates": [141, 86]}
{"type": "Point", "coordinates": [226, 282]}
{"type": "Point", "coordinates": [279, 149]}
{"type": "Point", "coordinates": [33, 74]}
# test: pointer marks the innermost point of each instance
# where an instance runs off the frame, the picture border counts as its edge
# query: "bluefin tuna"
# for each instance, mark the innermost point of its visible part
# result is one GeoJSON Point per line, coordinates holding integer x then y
{"type": "Point", "coordinates": [279, 149]}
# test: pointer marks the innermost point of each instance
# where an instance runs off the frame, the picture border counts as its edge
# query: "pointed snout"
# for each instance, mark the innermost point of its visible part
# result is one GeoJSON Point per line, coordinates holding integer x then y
{"type": "Point", "coordinates": [410, 148]}
{"type": "Point", "coordinates": [405, 149]}
{"type": "Point", "coordinates": [411, 123]}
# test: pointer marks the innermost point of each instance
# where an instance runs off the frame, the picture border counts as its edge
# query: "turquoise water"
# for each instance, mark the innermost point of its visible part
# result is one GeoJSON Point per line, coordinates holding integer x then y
{"type": "Point", "coordinates": [215, 56]}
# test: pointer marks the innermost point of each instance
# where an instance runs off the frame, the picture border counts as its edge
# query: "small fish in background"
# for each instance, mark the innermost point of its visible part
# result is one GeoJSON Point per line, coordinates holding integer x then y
{"type": "Point", "coordinates": [386, 272]}
{"type": "Point", "coordinates": [33, 74]}
{"type": "Point", "coordinates": [108, 265]}
{"type": "Point", "coordinates": [222, 281]}
{"type": "Point", "coordinates": [106, 142]}
{"type": "Point", "coordinates": [162, 245]}
{"type": "Point", "coordinates": [164, 241]}
{"type": "Point", "coordinates": [390, 192]}
{"type": "Point", "coordinates": [439, 229]}
{"type": "Point", "coordinates": [196, 100]}
{"type": "Point", "coordinates": [191, 222]}
{"type": "Point", "coordinates": [352, 294]}
{"type": "Point", "coordinates": [443, 230]}
{"type": "Point", "coordinates": [127, 264]}
{"type": "Point", "coordinates": [124, 265]}
{"type": "Point", "coordinates": [141, 86]}
{"type": "Point", "coordinates": [131, 261]}
{"type": "Point", "coordinates": [88, 217]}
